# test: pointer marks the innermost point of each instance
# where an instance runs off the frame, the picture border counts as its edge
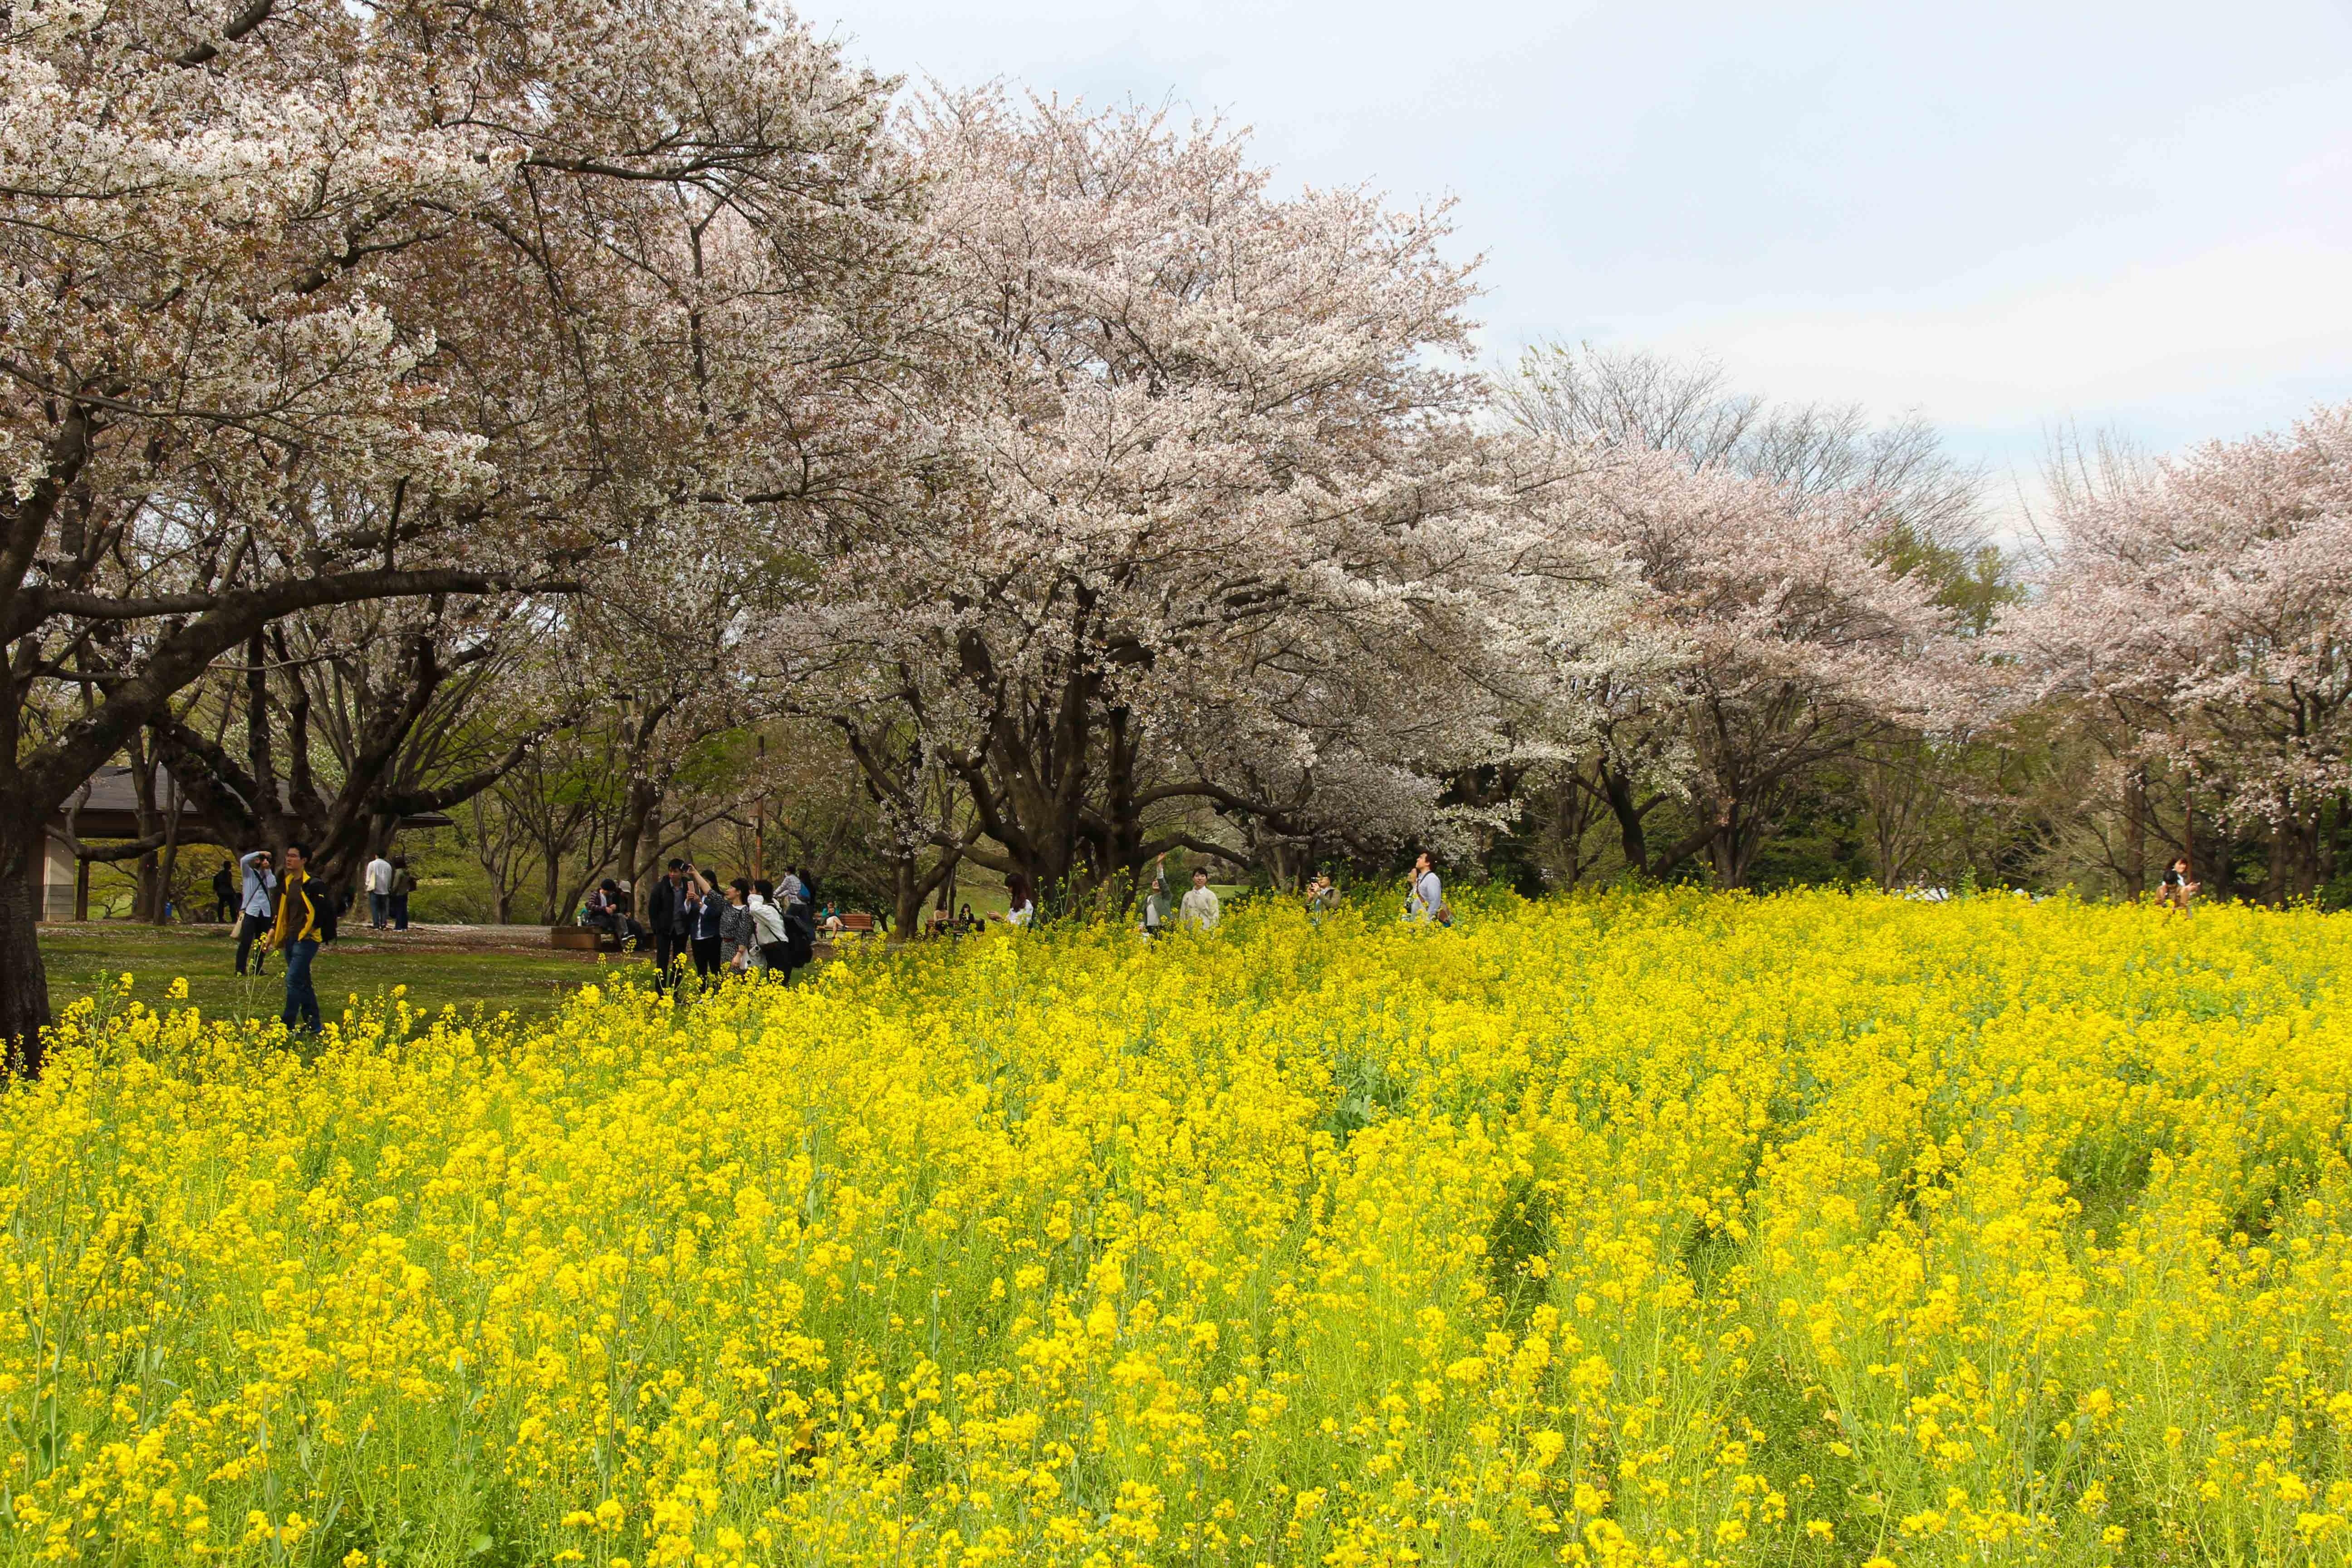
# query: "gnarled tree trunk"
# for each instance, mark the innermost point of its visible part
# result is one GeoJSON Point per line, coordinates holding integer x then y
{"type": "Point", "coordinates": [23, 984]}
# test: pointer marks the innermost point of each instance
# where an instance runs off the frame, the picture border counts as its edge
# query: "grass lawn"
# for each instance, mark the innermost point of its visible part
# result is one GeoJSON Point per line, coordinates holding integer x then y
{"type": "Point", "coordinates": [82, 958]}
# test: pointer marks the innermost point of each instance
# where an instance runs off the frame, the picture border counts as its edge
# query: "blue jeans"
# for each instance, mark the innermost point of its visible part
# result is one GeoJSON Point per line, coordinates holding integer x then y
{"type": "Point", "coordinates": [301, 996]}
{"type": "Point", "coordinates": [379, 906]}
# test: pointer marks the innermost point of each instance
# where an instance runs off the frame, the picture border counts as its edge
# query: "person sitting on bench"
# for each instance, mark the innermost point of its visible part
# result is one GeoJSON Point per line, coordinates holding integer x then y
{"type": "Point", "coordinates": [603, 912]}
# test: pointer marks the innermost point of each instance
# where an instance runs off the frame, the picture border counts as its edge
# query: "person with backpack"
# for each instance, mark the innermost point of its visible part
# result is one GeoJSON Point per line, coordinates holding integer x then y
{"type": "Point", "coordinates": [306, 922]}
{"type": "Point", "coordinates": [800, 919]}
{"type": "Point", "coordinates": [770, 936]}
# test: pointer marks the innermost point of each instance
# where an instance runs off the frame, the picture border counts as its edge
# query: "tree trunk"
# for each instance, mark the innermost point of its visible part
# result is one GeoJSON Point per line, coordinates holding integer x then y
{"type": "Point", "coordinates": [906, 902]}
{"type": "Point", "coordinates": [147, 903]}
{"type": "Point", "coordinates": [2274, 862]}
{"type": "Point", "coordinates": [1619, 791]}
{"type": "Point", "coordinates": [2303, 857]}
{"type": "Point", "coordinates": [171, 815]}
{"type": "Point", "coordinates": [639, 839]}
{"type": "Point", "coordinates": [24, 983]}
{"type": "Point", "coordinates": [1729, 866]}
{"type": "Point", "coordinates": [2135, 865]}
{"type": "Point", "coordinates": [2331, 837]}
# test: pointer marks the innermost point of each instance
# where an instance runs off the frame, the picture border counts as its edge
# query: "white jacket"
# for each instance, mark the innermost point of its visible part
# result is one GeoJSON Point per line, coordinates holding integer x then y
{"type": "Point", "coordinates": [767, 920]}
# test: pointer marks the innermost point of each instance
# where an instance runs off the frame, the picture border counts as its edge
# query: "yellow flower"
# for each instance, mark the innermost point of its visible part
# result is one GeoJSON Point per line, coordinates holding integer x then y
{"type": "Point", "coordinates": [1571, 1238]}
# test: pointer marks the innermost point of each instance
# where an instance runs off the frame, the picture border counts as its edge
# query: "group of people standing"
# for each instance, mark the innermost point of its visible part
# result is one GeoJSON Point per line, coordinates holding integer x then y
{"type": "Point", "coordinates": [745, 925]}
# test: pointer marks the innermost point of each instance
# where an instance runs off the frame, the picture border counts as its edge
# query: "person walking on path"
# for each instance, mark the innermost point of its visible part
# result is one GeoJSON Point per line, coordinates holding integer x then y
{"type": "Point", "coordinates": [379, 891]}
{"type": "Point", "coordinates": [305, 921]}
{"type": "Point", "coordinates": [671, 914]}
{"type": "Point", "coordinates": [257, 906]}
{"type": "Point", "coordinates": [402, 884]}
{"type": "Point", "coordinates": [1200, 911]}
{"type": "Point", "coordinates": [224, 894]}
{"type": "Point", "coordinates": [1426, 902]}
{"type": "Point", "coordinates": [770, 936]}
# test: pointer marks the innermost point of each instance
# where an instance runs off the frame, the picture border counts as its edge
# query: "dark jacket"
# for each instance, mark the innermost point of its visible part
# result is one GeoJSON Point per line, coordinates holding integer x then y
{"type": "Point", "coordinates": [710, 918]}
{"type": "Point", "coordinates": [671, 910]}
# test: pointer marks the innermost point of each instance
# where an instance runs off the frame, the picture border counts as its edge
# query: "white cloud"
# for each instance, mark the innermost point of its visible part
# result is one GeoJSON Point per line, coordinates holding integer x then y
{"type": "Point", "coordinates": [2004, 216]}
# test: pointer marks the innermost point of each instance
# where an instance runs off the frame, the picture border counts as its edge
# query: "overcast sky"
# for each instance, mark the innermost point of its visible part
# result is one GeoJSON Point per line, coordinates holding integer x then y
{"type": "Point", "coordinates": [2004, 216]}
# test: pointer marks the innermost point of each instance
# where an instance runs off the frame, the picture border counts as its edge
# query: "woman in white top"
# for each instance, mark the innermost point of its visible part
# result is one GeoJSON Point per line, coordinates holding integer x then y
{"type": "Point", "coordinates": [1200, 911]}
{"type": "Point", "coordinates": [771, 943]}
{"type": "Point", "coordinates": [1019, 909]}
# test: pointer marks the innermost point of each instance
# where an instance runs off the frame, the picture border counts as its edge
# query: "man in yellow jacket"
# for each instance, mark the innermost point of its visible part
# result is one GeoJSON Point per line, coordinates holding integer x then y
{"type": "Point", "coordinates": [305, 919]}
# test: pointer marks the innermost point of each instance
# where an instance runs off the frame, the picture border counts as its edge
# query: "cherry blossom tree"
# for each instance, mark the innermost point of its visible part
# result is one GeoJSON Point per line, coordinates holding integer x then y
{"type": "Point", "coordinates": [2202, 606]}
{"type": "Point", "coordinates": [526, 277]}
{"type": "Point", "coordinates": [352, 716]}
{"type": "Point", "coordinates": [1206, 482]}
{"type": "Point", "coordinates": [1796, 642]}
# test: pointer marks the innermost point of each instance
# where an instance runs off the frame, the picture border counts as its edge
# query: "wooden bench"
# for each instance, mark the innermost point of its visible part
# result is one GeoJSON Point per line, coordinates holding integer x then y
{"type": "Point", "coordinates": [582, 939]}
{"type": "Point", "coordinates": [850, 922]}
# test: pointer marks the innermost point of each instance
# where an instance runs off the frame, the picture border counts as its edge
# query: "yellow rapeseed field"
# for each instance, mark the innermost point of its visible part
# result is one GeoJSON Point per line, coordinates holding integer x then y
{"type": "Point", "coordinates": [1644, 1228]}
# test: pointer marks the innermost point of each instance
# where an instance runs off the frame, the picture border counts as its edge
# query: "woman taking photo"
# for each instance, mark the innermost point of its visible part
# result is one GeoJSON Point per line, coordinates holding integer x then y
{"type": "Point", "coordinates": [2176, 888]}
